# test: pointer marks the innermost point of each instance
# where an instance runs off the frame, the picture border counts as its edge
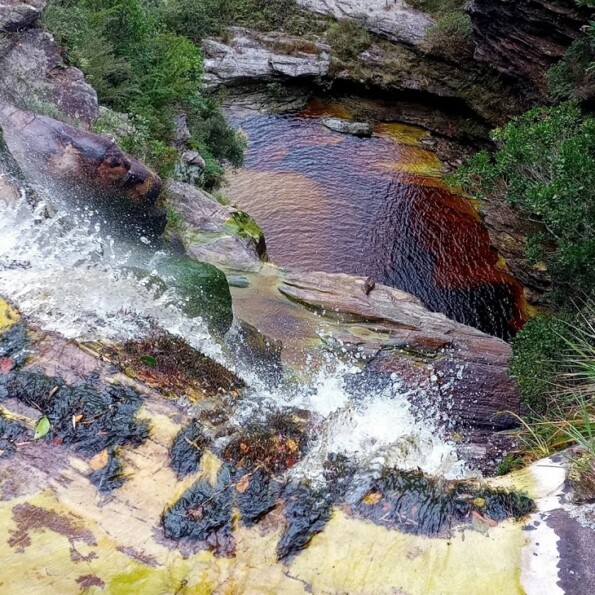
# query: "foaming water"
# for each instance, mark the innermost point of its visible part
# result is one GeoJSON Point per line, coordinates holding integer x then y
{"type": "Point", "coordinates": [69, 277]}
{"type": "Point", "coordinates": [374, 207]}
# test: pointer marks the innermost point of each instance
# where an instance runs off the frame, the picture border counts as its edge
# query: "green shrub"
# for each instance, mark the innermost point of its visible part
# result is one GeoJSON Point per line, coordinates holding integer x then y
{"type": "Point", "coordinates": [348, 39]}
{"type": "Point", "coordinates": [536, 363]}
{"type": "Point", "coordinates": [452, 35]}
{"type": "Point", "coordinates": [545, 166]}
{"type": "Point", "coordinates": [140, 66]}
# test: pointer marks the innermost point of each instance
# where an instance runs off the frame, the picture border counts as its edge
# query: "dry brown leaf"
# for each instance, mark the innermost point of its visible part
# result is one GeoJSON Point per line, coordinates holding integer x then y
{"type": "Point", "coordinates": [243, 484]}
{"type": "Point", "coordinates": [99, 461]}
{"type": "Point", "coordinates": [372, 498]}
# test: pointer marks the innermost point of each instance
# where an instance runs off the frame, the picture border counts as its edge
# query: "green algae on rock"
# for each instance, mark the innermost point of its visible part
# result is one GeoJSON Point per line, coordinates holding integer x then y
{"type": "Point", "coordinates": [203, 289]}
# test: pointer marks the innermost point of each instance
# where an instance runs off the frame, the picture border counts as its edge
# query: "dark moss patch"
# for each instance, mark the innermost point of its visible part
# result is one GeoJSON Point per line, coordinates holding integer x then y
{"type": "Point", "coordinates": [307, 512]}
{"type": "Point", "coordinates": [257, 493]}
{"type": "Point", "coordinates": [187, 450]}
{"type": "Point", "coordinates": [202, 514]}
{"type": "Point", "coordinates": [11, 432]}
{"type": "Point", "coordinates": [421, 505]}
{"type": "Point", "coordinates": [275, 444]}
{"type": "Point", "coordinates": [111, 476]}
{"type": "Point", "coordinates": [82, 416]}
{"type": "Point", "coordinates": [13, 344]}
{"type": "Point", "coordinates": [168, 363]}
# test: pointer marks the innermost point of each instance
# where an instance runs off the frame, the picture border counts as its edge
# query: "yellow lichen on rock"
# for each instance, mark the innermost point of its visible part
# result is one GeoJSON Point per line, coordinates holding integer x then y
{"type": "Point", "coordinates": [355, 556]}
{"type": "Point", "coordinates": [8, 316]}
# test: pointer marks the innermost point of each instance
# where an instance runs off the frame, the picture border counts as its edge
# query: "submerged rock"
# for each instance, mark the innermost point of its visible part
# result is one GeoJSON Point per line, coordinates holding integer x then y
{"type": "Point", "coordinates": [347, 127]}
{"type": "Point", "coordinates": [203, 289]}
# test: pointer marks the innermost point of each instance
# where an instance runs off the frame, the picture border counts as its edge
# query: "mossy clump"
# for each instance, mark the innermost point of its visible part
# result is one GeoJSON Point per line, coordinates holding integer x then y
{"type": "Point", "coordinates": [187, 450]}
{"type": "Point", "coordinates": [202, 514]}
{"type": "Point", "coordinates": [275, 444]}
{"type": "Point", "coordinates": [85, 417]}
{"type": "Point", "coordinates": [11, 432]}
{"type": "Point", "coordinates": [307, 512]}
{"type": "Point", "coordinates": [168, 363]}
{"type": "Point", "coordinates": [202, 288]}
{"type": "Point", "coordinates": [418, 504]}
{"type": "Point", "coordinates": [111, 476]}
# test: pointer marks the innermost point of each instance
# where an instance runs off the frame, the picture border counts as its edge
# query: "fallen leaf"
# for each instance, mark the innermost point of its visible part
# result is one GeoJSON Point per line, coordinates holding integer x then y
{"type": "Point", "coordinates": [76, 419]}
{"type": "Point", "coordinates": [54, 390]}
{"type": "Point", "coordinates": [148, 360]}
{"type": "Point", "coordinates": [6, 365]}
{"type": "Point", "coordinates": [372, 498]}
{"type": "Point", "coordinates": [243, 484]}
{"type": "Point", "coordinates": [483, 519]}
{"type": "Point", "coordinates": [42, 428]}
{"type": "Point", "coordinates": [99, 461]}
{"type": "Point", "coordinates": [479, 502]}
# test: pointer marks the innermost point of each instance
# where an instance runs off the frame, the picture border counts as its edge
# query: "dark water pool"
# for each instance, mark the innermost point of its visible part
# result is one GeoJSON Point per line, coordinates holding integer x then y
{"type": "Point", "coordinates": [376, 207]}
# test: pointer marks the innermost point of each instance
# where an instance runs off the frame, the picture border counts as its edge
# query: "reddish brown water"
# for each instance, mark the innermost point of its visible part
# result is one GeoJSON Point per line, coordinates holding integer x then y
{"type": "Point", "coordinates": [372, 206]}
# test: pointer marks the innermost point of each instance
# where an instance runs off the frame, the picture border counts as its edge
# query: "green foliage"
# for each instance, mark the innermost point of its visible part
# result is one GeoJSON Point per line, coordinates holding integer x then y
{"type": "Point", "coordinates": [573, 77]}
{"type": "Point", "coordinates": [545, 166]}
{"type": "Point", "coordinates": [536, 363]}
{"type": "Point", "coordinates": [438, 8]}
{"type": "Point", "coordinates": [452, 35]}
{"type": "Point", "coordinates": [348, 39]}
{"type": "Point", "coordinates": [196, 19]}
{"type": "Point", "coordinates": [140, 65]}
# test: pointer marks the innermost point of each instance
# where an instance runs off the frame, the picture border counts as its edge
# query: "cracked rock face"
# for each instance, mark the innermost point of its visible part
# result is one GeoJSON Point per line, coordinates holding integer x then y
{"type": "Point", "coordinates": [392, 19]}
{"type": "Point", "coordinates": [33, 75]}
{"type": "Point", "coordinates": [249, 57]}
{"type": "Point", "coordinates": [16, 14]}
{"type": "Point", "coordinates": [523, 39]}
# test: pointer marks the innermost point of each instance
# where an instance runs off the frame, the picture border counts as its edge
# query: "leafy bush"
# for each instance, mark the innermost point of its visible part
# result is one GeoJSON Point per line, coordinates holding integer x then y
{"type": "Point", "coordinates": [545, 166]}
{"type": "Point", "coordinates": [348, 39]}
{"type": "Point", "coordinates": [141, 67]}
{"type": "Point", "coordinates": [536, 363]}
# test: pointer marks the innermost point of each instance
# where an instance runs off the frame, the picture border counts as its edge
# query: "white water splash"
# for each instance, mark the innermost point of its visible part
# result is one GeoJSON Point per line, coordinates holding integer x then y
{"type": "Point", "coordinates": [70, 278]}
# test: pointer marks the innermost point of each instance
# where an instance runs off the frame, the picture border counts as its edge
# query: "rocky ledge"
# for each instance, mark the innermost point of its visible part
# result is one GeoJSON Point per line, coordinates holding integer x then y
{"type": "Point", "coordinates": [253, 57]}
{"type": "Point", "coordinates": [524, 39]}
{"type": "Point", "coordinates": [393, 19]}
{"type": "Point", "coordinates": [453, 368]}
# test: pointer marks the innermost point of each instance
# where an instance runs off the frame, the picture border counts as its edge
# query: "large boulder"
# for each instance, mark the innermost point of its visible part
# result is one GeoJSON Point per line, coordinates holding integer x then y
{"type": "Point", "coordinates": [33, 76]}
{"type": "Point", "coordinates": [202, 288]}
{"type": "Point", "coordinates": [82, 166]}
{"type": "Point", "coordinates": [214, 232]}
{"type": "Point", "coordinates": [255, 57]}
{"type": "Point", "coordinates": [446, 366]}
{"type": "Point", "coordinates": [18, 14]}
{"type": "Point", "coordinates": [393, 19]}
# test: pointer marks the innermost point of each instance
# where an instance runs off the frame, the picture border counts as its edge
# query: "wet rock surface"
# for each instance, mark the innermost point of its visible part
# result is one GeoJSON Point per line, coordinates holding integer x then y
{"type": "Point", "coordinates": [62, 158]}
{"type": "Point", "coordinates": [394, 19]}
{"type": "Point", "coordinates": [214, 232]}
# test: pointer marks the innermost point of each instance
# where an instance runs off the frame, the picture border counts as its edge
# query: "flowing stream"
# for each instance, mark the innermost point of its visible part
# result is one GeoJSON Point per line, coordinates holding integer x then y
{"type": "Point", "coordinates": [70, 276]}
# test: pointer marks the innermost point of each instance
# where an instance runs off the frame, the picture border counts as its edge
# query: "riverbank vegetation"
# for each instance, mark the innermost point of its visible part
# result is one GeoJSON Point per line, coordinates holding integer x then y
{"type": "Point", "coordinates": [142, 66]}
{"type": "Point", "coordinates": [544, 166]}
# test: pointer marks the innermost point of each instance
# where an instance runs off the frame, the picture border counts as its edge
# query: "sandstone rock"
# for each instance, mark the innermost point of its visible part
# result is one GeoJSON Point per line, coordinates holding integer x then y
{"type": "Point", "coordinates": [347, 127]}
{"type": "Point", "coordinates": [524, 39]}
{"type": "Point", "coordinates": [33, 76]}
{"type": "Point", "coordinates": [255, 57]}
{"type": "Point", "coordinates": [81, 166]}
{"type": "Point", "coordinates": [208, 231]}
{"type": "Point", "coordinates": [454, 368]}
{"type": "Point", "coordinates": [18, 14]}
{"type": "Point", "coordinates": [393, 19]}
